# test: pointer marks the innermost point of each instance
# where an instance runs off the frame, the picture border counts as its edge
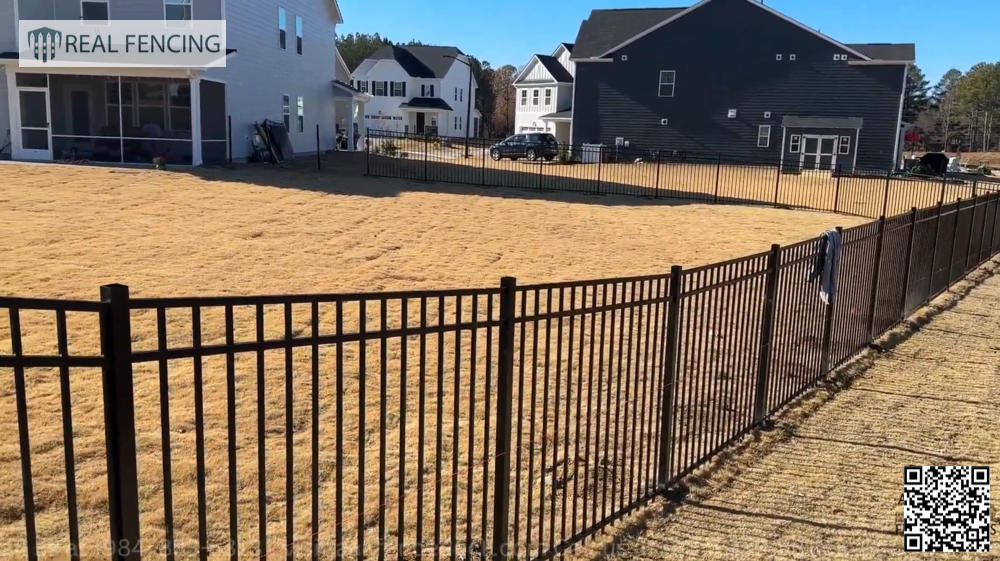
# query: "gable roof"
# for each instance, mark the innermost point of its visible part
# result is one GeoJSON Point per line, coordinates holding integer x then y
{"type": "Point", "coordinates": [630, 20]}
{"type": "Point", "coordinates": [606, 28]}
{"type": "Point", "coordinates": [569, 46]}
{"type": "Point", "coordinates": [558, 71]}
{"type": "Point", "coordinates": [887, 51]}
{"type": "Point", "coordinates": [419, 61]}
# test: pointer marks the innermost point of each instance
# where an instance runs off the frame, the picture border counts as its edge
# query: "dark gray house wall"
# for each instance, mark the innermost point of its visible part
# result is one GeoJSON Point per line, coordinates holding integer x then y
{"type": "Point", "coordinates": [724, 55]}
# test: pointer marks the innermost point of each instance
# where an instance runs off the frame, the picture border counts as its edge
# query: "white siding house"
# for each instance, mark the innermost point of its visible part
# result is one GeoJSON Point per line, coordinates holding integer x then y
{"type": "Point", "coordinates": [419, 89]}
{"type": "Point", "coordinates": [281, 66]}
{"type": "Point", "coordinates": [544, 90]}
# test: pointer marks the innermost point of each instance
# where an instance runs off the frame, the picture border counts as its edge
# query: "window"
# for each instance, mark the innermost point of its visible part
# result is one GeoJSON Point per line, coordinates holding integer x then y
{"type": "Point", "coordinates": [534, 97]}
{"type": "Point", "coordinates": [177, 10]}
{"type": "Point", "coordinates": [423, 90]}
{"type": "Point", "coordinates": [667, 80]}
{"type": "Point", "coordinates": [282, 27]}
{"type": "Point", "coordinates": [456, 94]}
{"type": "Point", "coordinates": [845, 145]}
{"type": "Point", "coordinates": [524, 97]}
{"type": "Point", "coordinates": [454, 124]}
{"type": "Point", "coordinates": [301, 113]}
{"type": "Point", "coordinates": [398, 89]}
{"type": "Point", "coordinates": [461, 95]}
{"type": "Point", "coordinates": [431, 92]}
{"type": "Point", "coordinates": [794, 143]}
{"type": "Point", "coordinates": [378, 88]}
{"type": "Point", "coordinates": [298, 34]}
{"type": "Point", "coordinates": [94, 10]}
{"type": "Point", "coordinates": [460, 124]}
{"type": "Point", "coordinates": [548, 96]}
{"type": "Point", "coordinates": [286, 111]}
{"type": "Point", "coordinates": [362, 86]}
{"type": "Point", "coordinates": [763, 136]}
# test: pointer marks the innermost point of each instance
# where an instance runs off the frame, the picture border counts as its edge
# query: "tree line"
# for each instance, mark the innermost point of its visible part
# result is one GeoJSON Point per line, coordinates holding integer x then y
{"type": "Point", "coordinates": [958, 114]}
{"type": "Point", "coordinates": [494, 98]}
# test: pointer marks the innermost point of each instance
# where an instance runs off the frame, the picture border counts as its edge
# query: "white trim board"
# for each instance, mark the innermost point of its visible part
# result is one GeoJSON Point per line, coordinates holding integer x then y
{"type": "Point", "coordinates": [756, 3]}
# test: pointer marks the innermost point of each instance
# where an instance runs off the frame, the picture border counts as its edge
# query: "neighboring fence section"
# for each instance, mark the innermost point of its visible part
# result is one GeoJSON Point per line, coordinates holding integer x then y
{"type": "Point", "coordinates": [830, 185]}
{"type": "Point", "coordinates": [506, 422]}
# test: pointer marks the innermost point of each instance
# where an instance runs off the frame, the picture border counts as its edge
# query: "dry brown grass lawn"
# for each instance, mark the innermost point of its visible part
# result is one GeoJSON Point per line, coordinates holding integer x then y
{"type": "Point", "coordinates": [66, 230]}
{"type": "Point", "coordinates": [826, 484]}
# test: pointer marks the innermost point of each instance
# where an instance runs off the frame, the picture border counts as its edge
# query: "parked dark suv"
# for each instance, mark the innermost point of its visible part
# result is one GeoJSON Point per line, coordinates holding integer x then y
{"type": "Point", "coordinates": [530, 146]}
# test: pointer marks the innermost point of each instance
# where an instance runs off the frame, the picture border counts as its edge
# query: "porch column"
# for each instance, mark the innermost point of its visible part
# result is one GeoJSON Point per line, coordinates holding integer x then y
{"type": "Point", "coordinates": [359, 118]}
{"type": "Point", "coordinates": [196, 159]}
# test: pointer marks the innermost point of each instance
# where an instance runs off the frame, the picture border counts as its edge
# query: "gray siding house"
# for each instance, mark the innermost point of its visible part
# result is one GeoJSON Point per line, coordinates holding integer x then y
{"type": "Point", "coordinates": [737, 78]}
{"type": "Point", "coordinates": [282, 65]}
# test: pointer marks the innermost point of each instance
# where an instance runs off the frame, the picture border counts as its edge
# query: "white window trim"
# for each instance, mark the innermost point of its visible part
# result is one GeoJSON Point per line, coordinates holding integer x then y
{"type": "Point", "coordinates": [282, 12]}
{"type": "Point", "coordinates": [794, 143]}
{"type": "Point", "coordinates": [844, 148]}
{"type": "Point", "coordinates": [764, 133]}
{"type": "Point", "coordinates": [392, 89]}
{"type": "Point", "coordinates": [375, 84]}
{"type": "Point", "coordinates": [107, 3]}
{"type": "Point", "coordinates": [548, 97]}
{"type": "Point", "coordinates": [300, 26]}
{"type": "Point", "coordinates": [188, 3]}
{"type": "Point", "coordinates": [300, 113]}
{"type": "Point", "coordinates": [524, 98]}
{"type": "Point", "coordinates": [535, 93]}
{"type": "Point", "coordinates": [672, 74]}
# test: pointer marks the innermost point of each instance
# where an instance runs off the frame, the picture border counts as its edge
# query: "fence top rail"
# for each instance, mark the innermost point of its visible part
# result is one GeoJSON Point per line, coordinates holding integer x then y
{"type": "Point", "coordinates": [589, 283]}
{"type": "Point", "coordinates": [218, 301]}
{"type": "Point", "coordinates": [48, 304]}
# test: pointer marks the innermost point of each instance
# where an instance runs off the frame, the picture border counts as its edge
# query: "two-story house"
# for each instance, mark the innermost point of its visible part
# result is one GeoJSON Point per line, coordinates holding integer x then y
{"type": "Point", "coordinates": [544, 93]}
{"type": "Point", "coordinates": [280, 65]}
{"type": "Point", "coordinates": [419, 89]}
{"type": "Point", "coordinates": [737, 78]}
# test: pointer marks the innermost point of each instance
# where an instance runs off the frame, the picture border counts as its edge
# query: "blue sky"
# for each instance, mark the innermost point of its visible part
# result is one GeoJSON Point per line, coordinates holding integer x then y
{"type": "Point", "coordinates": [958, 34]}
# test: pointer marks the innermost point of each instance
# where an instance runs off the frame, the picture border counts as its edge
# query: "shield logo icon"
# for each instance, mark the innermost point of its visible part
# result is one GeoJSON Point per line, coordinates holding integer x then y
{"type": "Point", "coordinates": [43, 42]}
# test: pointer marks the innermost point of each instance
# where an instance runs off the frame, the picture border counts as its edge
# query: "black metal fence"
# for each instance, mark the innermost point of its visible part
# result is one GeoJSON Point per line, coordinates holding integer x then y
{"type": "Point", "coordinates": [505, 422]}
{"type": "Point", "coordinates": [827, 185]}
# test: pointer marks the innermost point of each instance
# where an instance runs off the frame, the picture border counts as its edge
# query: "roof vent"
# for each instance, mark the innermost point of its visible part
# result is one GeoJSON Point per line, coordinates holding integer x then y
{"type": "Point", "coordinates": [665, 122]}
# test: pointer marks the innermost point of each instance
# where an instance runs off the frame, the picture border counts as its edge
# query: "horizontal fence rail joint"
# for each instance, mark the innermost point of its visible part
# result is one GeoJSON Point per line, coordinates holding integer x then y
{"type": "Point", "coordinates": [119, 420]}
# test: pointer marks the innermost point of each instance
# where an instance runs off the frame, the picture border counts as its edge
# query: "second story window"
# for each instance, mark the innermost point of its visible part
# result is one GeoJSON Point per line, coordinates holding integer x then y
{"type": "Point", "coordinates": [524, 98]}
{"type": "Point", "coordinates": [286, 111]}
{"type": "Point", "coordinates": [298, 34]}
{"type": "Point", "coordinates": [398, 89]}
{"type": "Point", "coordinates": [282, 27]}
{"type": "Point", "coordinates": [301, 114]}
{"type": "Point", "coordinates": [177, 10]}
{"type": "Point", "coordinates": [667, 80]}
{"type": "Point", "coordinates": [362, 86]}
{"type": "Point", "coordinates": [764, 136]}
{"type": "Point", "coordinates": [430, 92]}
{"type": "Point", "coordinates": [378, 88]}
{"type": "Point", "coordinates": [548, 96]}
{"type": "Point", "coordinates": [94, 10]}
{"type": "Point", "coordinates": [534, 97]}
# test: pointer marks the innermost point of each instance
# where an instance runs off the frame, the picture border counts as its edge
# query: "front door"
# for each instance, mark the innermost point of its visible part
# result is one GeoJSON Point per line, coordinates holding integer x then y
{"type": "Point", "coordinates": [819, 152]}
{"type": "Point", "coordinates": [420, 123]}
{"type": "Point", "coordinates": [36, 134]}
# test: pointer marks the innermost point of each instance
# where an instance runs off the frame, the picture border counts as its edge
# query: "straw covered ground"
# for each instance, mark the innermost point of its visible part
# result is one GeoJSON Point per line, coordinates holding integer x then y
{"type": "Point", "coordinates": [66, 230]}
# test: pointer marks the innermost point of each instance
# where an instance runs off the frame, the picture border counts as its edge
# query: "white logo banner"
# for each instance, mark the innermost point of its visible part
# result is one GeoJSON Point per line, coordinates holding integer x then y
{"type": "Point", "coordinates": [122, 43]}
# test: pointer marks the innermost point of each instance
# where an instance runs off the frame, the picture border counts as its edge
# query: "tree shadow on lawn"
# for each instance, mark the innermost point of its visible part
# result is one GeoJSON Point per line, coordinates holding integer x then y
{"type": "Point", "coordinates": [345, 173]}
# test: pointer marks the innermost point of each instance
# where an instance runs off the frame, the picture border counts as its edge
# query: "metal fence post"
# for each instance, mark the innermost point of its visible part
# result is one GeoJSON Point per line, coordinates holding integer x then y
{"type": "Point", "coordinates": [907, 265]}
{"type": "Point", "coordinates": [937, 243]}
{"type": "Point", "coordinates": [836, 195]}
{"type": "Point", "coordinates": [777, 185]}
{"type": "Point", "coordinates": [505, 382]}
{"type": "Point", "coordinates": [319, 164]}
{"type": "Point", "coordinates": [656, 192]}
{"type": "Point", "coordinates": [972, 228]}
{"type": "Point", "coordinates": [828, 322]}
{"type": "Point", "coordinates": [986, 251]}
{"type": "Point", "coordinates": [368, 151]}
{"type": "Point", "coordinates": [229, 136]}
{"type": "Point", "coordinates": [718, 172]}
{"type": "Point", "coordinates": [766, 333]}
{"type": "Point", "coordinates": [954, 240]}
{"type": "Point", "coordinates": [665, 459]}
{"type": "Point", "coordinates": [600, 161]}
{"type": "Point", "coordinates": [885, 198]}
{"type": "Point", "coordinates": [876, 270]}
{"type": "Point", "coordinates": [975, 187]}
{"type": "Point", "coordinates": [425, 156]}
{"type": "Point", "coordinates": [482, 181]}
{"type": "Point", "coordinates": [944, 184]}
{"type": "Point", "coordinates": [119, 424]}
{"type": "Point", "coordinates": [540, 172]}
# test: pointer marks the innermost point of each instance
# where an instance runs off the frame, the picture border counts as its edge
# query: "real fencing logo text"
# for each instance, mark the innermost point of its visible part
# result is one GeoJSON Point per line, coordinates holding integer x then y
{"type": "Point", "coordinates": [122, 44]}
{"type": "Point", "coordinates": [43, 43]}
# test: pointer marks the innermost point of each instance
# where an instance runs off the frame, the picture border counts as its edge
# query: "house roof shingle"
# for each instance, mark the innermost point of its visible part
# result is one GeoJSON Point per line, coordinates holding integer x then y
{"type": "Point", "coordinates": [419, 61]}
{"type": "Point", "coordinates": [426, 103]}
{"type": "Point", "coordinates": [557, 70]}
{"type": "Point", "coordinates": [887, 51]}
{"type": "Point", "coordinates": [605, 29]}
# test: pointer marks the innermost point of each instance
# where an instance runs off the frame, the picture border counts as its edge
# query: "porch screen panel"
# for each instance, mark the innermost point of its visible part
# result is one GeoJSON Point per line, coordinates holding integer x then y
{"type": "Point", "coordinates": [85, 118]}
{"type": "Point", "coordinates": [214, 146]}
{"type": "Point", "coordinates": [157, 121]}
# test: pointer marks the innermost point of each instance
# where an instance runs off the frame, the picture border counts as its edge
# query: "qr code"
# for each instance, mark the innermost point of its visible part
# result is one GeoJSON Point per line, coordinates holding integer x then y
{"type": "Point", "coordinates": [946, 509]}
